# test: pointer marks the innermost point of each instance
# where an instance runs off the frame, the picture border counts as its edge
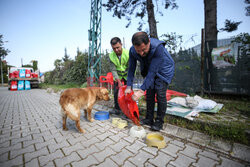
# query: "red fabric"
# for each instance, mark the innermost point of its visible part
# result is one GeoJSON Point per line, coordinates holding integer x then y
{"type": "Point", "coordinates": [128, 106]}
{"type": "Point", "coordinates": [170, 93]}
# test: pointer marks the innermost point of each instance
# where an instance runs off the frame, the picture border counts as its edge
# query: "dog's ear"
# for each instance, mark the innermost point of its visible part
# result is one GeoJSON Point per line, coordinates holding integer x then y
{"type": "Point", "coordinates": [99, 93]}
{"type": "Point", "coordinates": [102, 93]}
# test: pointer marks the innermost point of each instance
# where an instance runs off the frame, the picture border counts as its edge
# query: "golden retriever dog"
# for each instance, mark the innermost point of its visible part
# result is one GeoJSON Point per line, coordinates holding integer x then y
{"type": "Point", "coordinates": [74, 99]}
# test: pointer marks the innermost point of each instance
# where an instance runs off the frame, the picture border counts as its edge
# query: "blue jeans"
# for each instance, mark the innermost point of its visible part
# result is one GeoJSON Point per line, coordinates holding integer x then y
{"type": "Point", "coordinates": [160, 90]}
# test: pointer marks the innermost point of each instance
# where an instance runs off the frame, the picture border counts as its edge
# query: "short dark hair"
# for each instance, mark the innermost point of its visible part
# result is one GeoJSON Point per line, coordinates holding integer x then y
{"type": "Point", "coordinates": [115, 40]}
{"type": "Point", "coordinates": [139, 38]}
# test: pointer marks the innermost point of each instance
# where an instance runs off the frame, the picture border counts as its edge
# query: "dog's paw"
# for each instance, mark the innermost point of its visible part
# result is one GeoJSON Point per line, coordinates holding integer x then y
{"type": "Point", "coordinates": [82, 131]}
{"type": "Point", "coordinates": [91, 120]}
{"type": "Point", "coordinates": [65, 129]}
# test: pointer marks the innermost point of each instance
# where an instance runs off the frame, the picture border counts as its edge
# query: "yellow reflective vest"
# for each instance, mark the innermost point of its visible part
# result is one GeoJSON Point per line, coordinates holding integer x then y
{"type": "Point", "coordinates": [121, 67]}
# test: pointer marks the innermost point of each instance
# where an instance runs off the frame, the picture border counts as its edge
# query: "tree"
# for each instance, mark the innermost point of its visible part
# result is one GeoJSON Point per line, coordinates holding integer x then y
{"type": "Point", "coordinates": [35, 64]}
{"type": "Point", "coordinates": [138, 8]}
{"type": "Point", "coordinates": [66, 56]}
{"type": "Point", "coordinates": [3, 52]}
{"type": "Point", "coordinates": [247, 8]}
{"type": "Point", "coordinates": [230, 26]}
{"type": "Point", "coordinates": [210, 20]}
{"type": "Point", "coordinates": [173, 42]}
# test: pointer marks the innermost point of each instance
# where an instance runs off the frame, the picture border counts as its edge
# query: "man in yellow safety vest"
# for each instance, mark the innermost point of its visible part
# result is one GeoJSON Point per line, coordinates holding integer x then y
{"type": "Point", "coordinates": [119, 67]}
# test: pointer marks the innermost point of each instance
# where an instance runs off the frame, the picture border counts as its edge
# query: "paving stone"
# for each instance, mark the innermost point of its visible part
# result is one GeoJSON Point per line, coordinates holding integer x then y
{"type": "Point", "coordinates": [190, 151]}
{"type": "Point", "coordinates": [70, 149]}
{"type": "Point", "coordinates": [104, 135]}
{"type": "Point", "coordinates": [35, 154]}
{"type": "Point", "coordinates": [229, 163]}
{"type": "Point", "coordinates": [171, 129]}
{"type": "Point", "coordinates": [32, 142]}
{"type": "Point", "coordinates": [88, 151]}
{"type": "Point", "coordinates": [18, 140]}
{"type": "Point", "coordinates": [151, 150]}
{"type": "Point", "coordinates": [130, 139]}
{"type": "Point", "coordinates": [121, 157]}
{"type": "Point", "coordinates": [90, 142]}
{"type": "Point", "coordinates": [105, 143]}
{"type": "Point", "coordinates": [241, 151]}
{"type": "Point", "coordinates": [46, 135]}
{"type": "Point", "coordinates": [135, 147]}
{"type": "Point", "coordinates": [117, 147]}
{"type": "Point", "coordinates": [100, 156]}
{"type": "Point", "coordinates": [108, 162]}
{"type": "Point", "coordinates": [140, 158]}
{"type": "Point", "coordinates": [74, 157]}
{"type": "Point", "coordinates": [32, 163]}
{"type": "Point", "coordinates": [38, 146]}
{"type": "Point", "coordinates": [209, 154]}
{"type": "Point", "coordinates": [14, 162]}
{"type": "Point", "coordinates": [129, 164]}
{"type": "Point", "coordinates": [7, 149]}
{"type": "Point", "coordinates": [54, 147]}
{"type": "Point", "coordinates": [171, 150]}
{"type": "Point", "coordinates": [184, 133]}
{"type": "Point", "coordinates": [178, 143]}
{"type": "Point", "coordinates": [15, 153]}
{"type": "Point", "coordinates": [4, 157]}
{"type": "Point", "coordinates": [220, 145]}
{"type": "Point", "coordinates": [75, 140]}
{"type": "Point", "coordinates": [90, 160]}
{"type": "Point", "coordinates": [5, 144]}
{"type": "Point", "coordinates": [92, 134]}
{"type": "Point", "coordinates": [200, 138]}
{"type": "Point", "coordinates": [204, 161]}
{"type": "Point", "coordinates": [182, 161]}
{"type": "Point", "coordinates": [118, 136]}
{"type": "Point", "coordinates": [161, 159]}
{"type": "Point", "coordinates": [50, 157]}
{"type": "Point", "coordinates": [50, 164]}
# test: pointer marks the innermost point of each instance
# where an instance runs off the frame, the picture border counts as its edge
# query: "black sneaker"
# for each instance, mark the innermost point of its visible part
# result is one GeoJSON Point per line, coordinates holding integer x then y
{"type": "Point", "coordinates": [157, 126]}
{"type": "Point", "coordinates": [146, 121]}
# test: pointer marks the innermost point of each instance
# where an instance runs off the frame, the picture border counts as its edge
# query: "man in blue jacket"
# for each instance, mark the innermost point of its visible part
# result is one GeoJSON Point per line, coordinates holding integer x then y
{"type": "Point", "coordinates": [157, 69]}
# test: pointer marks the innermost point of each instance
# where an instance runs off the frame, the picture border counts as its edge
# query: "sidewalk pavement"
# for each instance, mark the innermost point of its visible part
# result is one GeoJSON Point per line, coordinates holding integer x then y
{"type": "Point", "coordinates": [31, 135]}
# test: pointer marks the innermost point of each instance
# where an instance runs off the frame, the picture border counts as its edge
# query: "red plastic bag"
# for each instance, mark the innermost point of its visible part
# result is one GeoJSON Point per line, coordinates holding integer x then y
{"type": "Point", "coordinates": [128, 106]}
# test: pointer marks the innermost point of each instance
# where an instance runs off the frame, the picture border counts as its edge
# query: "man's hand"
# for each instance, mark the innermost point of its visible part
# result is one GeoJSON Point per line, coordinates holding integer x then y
{"type": "Point", "coordinates": [128, 90]}
{"type": "Point", "coordinates": [119, 83]}
{"type": "Point", "coordinates": [136, 96]}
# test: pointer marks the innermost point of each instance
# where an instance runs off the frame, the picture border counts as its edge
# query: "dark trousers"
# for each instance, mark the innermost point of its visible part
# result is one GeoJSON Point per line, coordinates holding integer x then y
{"type": "Point", "coordinates": [116, 90]}
{"type": "Point", "coordinates": [160, 89]}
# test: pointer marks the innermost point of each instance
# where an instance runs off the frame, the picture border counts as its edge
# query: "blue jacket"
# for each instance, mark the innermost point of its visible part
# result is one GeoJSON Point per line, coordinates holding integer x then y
{"type": "Point", "coordinates": [160, 64]}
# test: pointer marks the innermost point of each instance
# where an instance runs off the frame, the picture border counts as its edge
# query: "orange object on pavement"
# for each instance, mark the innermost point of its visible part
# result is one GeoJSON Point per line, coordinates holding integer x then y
{"type": "Point", "coordinates": [128, 105]}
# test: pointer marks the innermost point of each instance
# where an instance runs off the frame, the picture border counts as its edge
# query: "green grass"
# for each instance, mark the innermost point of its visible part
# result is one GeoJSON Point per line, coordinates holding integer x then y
{"type": "Point", "coordinates": [215, 124]}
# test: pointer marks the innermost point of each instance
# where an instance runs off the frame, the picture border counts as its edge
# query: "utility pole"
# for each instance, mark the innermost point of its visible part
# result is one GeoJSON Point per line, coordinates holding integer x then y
{"type": "Point", "coordinates": [94, 57]}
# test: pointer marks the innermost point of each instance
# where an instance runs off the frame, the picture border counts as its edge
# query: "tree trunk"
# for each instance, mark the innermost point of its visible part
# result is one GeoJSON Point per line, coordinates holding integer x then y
{"type": "Point", "coordinates": [210, 20]}
{"type": "Point", "coordinates": [151, 19]}
{"type": "Point", "coordinates": [210, 9]}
